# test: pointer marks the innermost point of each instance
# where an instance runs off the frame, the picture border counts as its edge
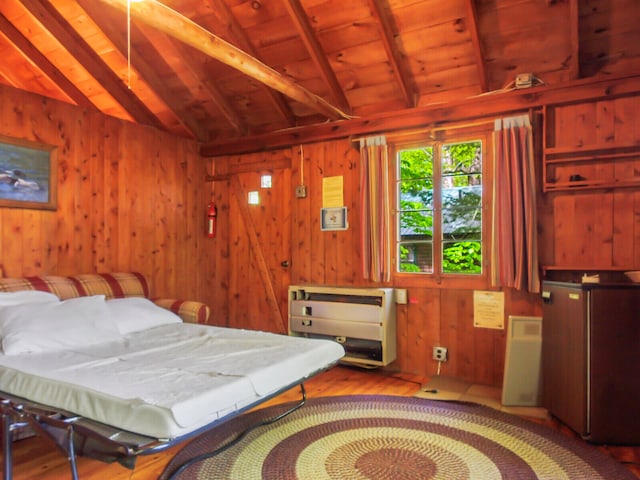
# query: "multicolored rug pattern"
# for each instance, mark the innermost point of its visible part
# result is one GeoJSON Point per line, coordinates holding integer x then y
{"type": "Point", "coordinates": [395, 438]}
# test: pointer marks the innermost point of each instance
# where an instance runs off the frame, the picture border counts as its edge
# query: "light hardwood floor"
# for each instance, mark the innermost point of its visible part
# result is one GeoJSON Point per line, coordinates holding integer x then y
{"type": "Point", "coordinates": [36, 458]}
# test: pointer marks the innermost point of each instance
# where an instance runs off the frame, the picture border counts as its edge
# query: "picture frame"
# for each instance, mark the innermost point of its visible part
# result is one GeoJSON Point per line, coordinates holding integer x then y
{"type": "Point", "coordinates": [28, 174]}
{"type": "Point", "coordinates": [334, 218]}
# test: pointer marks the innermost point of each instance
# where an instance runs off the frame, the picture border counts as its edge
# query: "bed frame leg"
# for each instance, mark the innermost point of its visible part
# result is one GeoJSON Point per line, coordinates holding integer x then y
{"type": "Point", "coordinates": [71, 454]}
{"type": "Point", "coordinates": [7, 461]}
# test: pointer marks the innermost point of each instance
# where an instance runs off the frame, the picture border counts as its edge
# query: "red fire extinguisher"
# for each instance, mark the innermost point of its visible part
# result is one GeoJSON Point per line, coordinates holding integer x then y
{"type": "Point", "coordinates": [212, 213]}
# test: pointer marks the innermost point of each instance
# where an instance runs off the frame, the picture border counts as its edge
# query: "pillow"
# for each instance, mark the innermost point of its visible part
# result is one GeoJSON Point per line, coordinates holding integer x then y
{"type": "Point", "coordinates": [49, 326]}
{"type": "Point", "coordinates": [133, 314]}
{"type": "Point", "coordinates": [26, 296]}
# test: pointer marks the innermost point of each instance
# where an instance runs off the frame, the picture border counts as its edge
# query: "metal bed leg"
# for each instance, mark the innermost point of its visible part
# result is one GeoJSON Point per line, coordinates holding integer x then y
{"type": "Point", "coordinates": [71, 454]}
{"type": "Point", "coordinates": [7, 461]}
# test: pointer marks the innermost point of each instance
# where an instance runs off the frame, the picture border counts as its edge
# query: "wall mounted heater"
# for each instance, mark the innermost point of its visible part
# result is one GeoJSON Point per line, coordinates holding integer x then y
{"type": "Point", "coordinates": [522, 381]}
{"type": "Point", "coordinates": [363, 320]}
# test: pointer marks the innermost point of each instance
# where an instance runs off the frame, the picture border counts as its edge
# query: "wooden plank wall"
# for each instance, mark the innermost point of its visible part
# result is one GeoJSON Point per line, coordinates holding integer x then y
{"type": "Point", "coordinates": [130, 198]}
{"type": "Point", "coordinates": [434, 315]}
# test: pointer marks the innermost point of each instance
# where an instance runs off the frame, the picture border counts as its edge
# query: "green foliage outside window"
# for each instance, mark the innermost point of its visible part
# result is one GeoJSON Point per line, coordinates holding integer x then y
{"type": "Point", "coordinates": [460, 182]}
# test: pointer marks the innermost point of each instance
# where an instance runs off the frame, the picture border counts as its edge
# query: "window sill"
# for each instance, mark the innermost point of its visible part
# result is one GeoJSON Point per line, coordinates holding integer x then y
{"type": "Point", "coordinates": [436, 281]}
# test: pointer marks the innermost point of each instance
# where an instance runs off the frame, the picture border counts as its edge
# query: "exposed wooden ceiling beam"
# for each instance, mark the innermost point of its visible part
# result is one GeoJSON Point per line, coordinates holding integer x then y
{"type": "Point", "coordinates": [59, 28]}
{"type": "Point", "coordinates": [395, 56]}
{"type": "Point", "coordinates": [172, 23]}
{"type": "Point", "coordinates": [472, 26]}
{"type": "Point", "coordinates": [236, 33]}
{"type": "Point", "coordinates": [299, 17]}
{"type": "Point", "coordinates": [148, 72]}
{"type": "Point", "coordinates": [481, 106]}
{"type": "Point", "coordinates": [574, 34]}
{"type": "Point", "coordinates": [33, 55]}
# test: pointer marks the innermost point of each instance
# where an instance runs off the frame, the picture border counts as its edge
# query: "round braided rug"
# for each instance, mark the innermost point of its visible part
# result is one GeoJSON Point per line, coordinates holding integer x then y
{"type": "Point", "coordinates": [396, 438]}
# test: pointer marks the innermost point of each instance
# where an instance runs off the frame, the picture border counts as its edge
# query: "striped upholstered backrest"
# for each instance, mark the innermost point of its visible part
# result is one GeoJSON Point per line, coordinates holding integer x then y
{"type": "Point", "coordinates": [111, 285]}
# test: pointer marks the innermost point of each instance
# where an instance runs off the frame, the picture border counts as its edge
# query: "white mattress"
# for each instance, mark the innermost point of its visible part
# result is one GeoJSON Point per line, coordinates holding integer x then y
{"type": "Point", "coordinates": [169, 380]}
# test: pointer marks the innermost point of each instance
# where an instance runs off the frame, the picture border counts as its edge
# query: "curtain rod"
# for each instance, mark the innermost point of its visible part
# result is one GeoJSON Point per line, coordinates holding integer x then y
{"type": "Point", "coordinates": [437, 128]}
{"type": "Point", "coordinates": [427, 129]}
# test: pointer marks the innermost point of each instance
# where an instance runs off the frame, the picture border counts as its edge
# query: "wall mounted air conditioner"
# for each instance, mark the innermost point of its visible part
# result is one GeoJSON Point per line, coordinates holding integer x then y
{"type": "Point", "coordinates": [363, 320]}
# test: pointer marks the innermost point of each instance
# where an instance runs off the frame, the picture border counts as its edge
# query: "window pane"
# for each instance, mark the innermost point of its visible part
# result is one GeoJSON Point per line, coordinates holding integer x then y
{"type": "Point", "coordinates": [462, 197]}
{"type": "Point", "coordinates": [416, 194]}
{"type": "Point", "coordinates": [415, 257]}
{"type": "Point", "coordinates": [416, 225]}
{"type": "Point", "coordinates": [462, 158]}
{"type": "Point", "coordinates": [416, 163]}
{"type": "Point", "coordinates": [462, 208]}
{"type": "Point", "coordinates": [451, 182]}
{"type": "Point", "coordinates": [462, 223]}
{"type": "Point", "coordinates": [461, 257]}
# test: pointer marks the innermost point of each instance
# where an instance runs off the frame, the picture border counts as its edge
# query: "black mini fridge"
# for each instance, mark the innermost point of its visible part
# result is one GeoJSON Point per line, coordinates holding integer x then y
{"type": "Point", "coordinates": [591, 359]}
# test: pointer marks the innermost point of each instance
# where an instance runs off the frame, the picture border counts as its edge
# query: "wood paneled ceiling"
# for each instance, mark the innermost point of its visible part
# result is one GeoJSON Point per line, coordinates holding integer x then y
{"type": "Point", "coordinates": [301, 62]}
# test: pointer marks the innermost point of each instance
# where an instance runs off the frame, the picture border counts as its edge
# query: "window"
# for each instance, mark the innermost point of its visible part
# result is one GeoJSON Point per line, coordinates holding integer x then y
{"type": "Point", "coordinates": [439, 208]}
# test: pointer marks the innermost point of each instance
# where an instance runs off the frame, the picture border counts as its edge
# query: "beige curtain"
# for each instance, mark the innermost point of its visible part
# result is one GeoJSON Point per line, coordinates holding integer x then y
{"type": "Point", "coordinates": [375, 240]}
{"type": "Point", "coordinates": [515, 248]}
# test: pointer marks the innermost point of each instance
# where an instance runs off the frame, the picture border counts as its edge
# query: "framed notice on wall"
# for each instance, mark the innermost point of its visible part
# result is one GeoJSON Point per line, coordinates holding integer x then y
{"type": "Point", "coordinates": [334, 218]}
{"type": "Point", "coordinates": [488, 310]}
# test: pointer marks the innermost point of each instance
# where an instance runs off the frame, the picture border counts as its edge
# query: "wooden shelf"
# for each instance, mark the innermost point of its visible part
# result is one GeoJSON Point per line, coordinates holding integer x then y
{"type": "Point", "coordinates": [593, 151]}
{"type": "Point", "coordinates": [586, 268]}
{"type": "Point", "coordinates": [590, 185]}
{"type": "Point", "coordinates": [561, 163]}
{"type": "Point", "coordinates": [588, 156]}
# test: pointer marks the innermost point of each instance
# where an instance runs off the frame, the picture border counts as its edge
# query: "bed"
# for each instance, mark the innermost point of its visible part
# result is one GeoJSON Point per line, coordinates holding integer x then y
{"type": "Point", "coordinates": [114, 376]}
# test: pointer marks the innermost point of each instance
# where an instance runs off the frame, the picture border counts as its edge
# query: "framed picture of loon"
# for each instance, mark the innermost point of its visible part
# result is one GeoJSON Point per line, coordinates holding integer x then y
{"type": "Point", "coordinates": [28, 173]}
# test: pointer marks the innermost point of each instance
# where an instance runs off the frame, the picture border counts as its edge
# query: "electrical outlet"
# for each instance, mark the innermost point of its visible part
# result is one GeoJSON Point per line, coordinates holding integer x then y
{"type": "Point", "coordinates": [524, 80]}
{"type": "Point", "coordinates": [440, 354]}
{"type": "Point", "coordinates": [301, 191]}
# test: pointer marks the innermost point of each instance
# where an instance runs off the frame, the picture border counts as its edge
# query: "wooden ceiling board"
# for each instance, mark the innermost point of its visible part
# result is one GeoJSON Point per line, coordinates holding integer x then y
{"type": "Point", "coordinates": [251, 13]}
{"type": "Point", "coordinates": [358, 56]}
{"type": "Point", "coordinates": [275, 31]}
{"type": "Point", "coordinates": [445, 96]}
{"type": "Point", "coordinates": [439, 43]}
{"type": "Point", "coordinates": [279, 55]}
{"type": "Point", "coordinates": [48, 45]}
{"type": "Point", "coordinates": [258, 110]}
{"type": "Point", "coordinates": [342, 36]}
{"type": "Point", "coordinates": [368, 100]}
{"type": "Point", "coordinates": [331, 15]}
{"type": "Point", "coordinates": [369, 56]}
{"type": "Point", "coordinates": [24, 75]}
{"type": "Point", "coordinates": [419, 15]}
{"type": "Point", "coordinates": [609, 32]}
{"type": "Point", "coordinates": [376, 74]}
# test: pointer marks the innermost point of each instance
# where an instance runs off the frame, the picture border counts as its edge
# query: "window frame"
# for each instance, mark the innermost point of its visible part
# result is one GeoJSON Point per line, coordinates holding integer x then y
{"type": "Point", "coordinates": [436, 139]}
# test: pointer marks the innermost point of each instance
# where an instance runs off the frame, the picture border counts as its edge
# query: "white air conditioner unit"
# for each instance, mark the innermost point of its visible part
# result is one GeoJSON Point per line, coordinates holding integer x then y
{"type": "Point", "coordinates": [363, 320]}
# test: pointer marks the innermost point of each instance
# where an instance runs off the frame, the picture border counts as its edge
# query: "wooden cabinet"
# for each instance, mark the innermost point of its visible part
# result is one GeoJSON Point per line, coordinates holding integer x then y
{"type": "Point", "coordinates": [591, 359]}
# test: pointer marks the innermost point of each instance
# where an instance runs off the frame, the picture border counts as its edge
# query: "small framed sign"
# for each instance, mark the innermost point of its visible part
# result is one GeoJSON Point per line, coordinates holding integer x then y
{"type": "Point", "coordinates": [334, 218]}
